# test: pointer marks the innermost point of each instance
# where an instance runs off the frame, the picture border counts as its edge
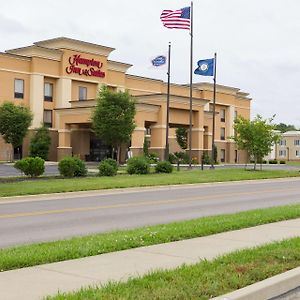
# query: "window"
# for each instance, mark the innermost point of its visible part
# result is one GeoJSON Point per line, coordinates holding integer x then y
{"type": "Point", "coordinates": [282, 142]}
{"type": "Point", "coordinates": [222, 115]}
{"type": "Point", "coordinates": [297, 142]}
{"type": "Point", "coordinates": [82, 93]}
{"type": "Point", "coordinates": [19, 88]}
{"type": "Point", "coordinates": [222, 133]}
{"type": "Point", "coordinates": [235, 114]}
{"type": "Point", "coordinates": [48, 118]}
{"type": "Point", "coordinates": [148, 131]}
{"type": "Point", "coordinates": [48, 92]}
{"type": "Point", "coordinates": [222, 156]}
{"type": "Point", "coordinates": [282, 153]}
{"type": "Point", "coordinates": [297, 153]}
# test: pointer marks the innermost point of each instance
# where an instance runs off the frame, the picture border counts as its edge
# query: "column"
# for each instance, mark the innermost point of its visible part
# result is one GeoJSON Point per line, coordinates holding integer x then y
{"type": "Point", "coordinates": [64, 93]}
{"type": "Point", "coordinates": [198, 134]}
{"type": "Point", "coordinates": [137, 137]}
{"type": "Point", "coordinates": [64, 143]}
{"type": "Point", "coordinates": [37, 99]}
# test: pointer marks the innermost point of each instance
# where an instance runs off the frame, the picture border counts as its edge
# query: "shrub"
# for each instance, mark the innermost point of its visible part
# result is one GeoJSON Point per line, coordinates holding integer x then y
{"type": "Point", "coordinates": [273, 161]}
{"type": "Point", "coordinates": [282, 162]}
{"type": "Point", "coordinates": [152, 158]}
{"type": "Point", "coordinates": [40, 143]}
{"type": "Point", "coordinates": [138, 165]}
{"type": "Point", "coordinates": [205, 159]}
{"type": "Point", "coordinates": [108, 167]}
{"type": "Point", "coordinates": [72, 167]}
{"type": "Point", "coordinates": [31, 166]}
{"type": "Point", "coordinates": [164, 167]}
{"type": "Point", "coordinates": [81, 169]}
{"type": "Point", "coordinates": [172, 158]}
{"type": "Point", "coordinates": [183, 157]}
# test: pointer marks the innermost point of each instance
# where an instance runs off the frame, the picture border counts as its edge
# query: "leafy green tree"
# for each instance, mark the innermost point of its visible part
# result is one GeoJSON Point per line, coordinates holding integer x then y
{"type": "Point", "coordinates": [40, 143]}
{"type": "Point", "coordinates": [14, 123]}
{"type": "Point", "coordinates": [181, 137]}
{"type": "Point", "coordinates": [285, 127]}
{"type": "Point", "coordinates": [256, 137]}
{"type": "Point", "coordinates": [113, 117]}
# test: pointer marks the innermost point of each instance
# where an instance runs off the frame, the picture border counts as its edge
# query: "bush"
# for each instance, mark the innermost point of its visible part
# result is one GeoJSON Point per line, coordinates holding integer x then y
{"type": "Point", "coordinates": [164, 167]}
{"type": "Point", "coordinates": [108, 167]}
{"type": "Point", "coordinates": [273, 161]}
{"type": "Point", "coordinates": [40, 143]}
{"type": "Point", "coordinates": [152, 158]}
{"type": "Point", "coordinates": [183, 157]}
{"type": "Point", "coordinates": [81, 169]}
{"type": "Point", "coordinates": [206, 159]}
{"type": "Point", "coordinates": [172, 158]}
{"type": "Point", "coordinates": [31, 166]}
{"type": "Point", "coordinates": [138, 165]}
{"type": "Point", "coordinates": [72, 167]}
{"type": "Point", "coordinates": [282, 162]}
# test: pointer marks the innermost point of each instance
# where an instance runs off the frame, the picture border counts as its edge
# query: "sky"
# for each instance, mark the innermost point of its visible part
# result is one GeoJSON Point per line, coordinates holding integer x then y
{"type": "Point", "coordinates": [257, 42]}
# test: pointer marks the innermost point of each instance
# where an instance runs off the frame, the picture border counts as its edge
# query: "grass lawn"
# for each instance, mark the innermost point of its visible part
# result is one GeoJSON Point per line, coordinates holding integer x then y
{"type": "Point", "coordinates": [30, 255]}
{"type": "Point", "coordinates": [204, 280]}
{"type": "Point", "coordinates": [30, 187]}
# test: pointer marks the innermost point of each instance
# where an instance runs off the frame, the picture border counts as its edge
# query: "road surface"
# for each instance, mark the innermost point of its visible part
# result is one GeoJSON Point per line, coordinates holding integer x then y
{"type": "Point", "coordinates": [43, 218]}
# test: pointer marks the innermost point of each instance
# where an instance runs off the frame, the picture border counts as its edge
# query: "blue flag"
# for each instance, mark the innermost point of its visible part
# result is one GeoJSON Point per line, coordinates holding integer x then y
{"type": "Point", "coordinates": [159, 61]}
{"type": "Point", "coordinates": [205, 67]}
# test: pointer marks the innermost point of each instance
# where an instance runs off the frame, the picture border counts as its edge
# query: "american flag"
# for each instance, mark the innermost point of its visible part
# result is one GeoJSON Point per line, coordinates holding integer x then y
{"type": "Point", "coordinates": [178, 19]}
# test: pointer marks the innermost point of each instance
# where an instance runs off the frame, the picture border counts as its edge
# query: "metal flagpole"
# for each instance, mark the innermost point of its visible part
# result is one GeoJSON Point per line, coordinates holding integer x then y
{"type": "Point", "coordinates": [214, 114]}
{"type": "Point", "coordinates": [191, 90]}
{"type": "Point", "coordinates": [168, 104]}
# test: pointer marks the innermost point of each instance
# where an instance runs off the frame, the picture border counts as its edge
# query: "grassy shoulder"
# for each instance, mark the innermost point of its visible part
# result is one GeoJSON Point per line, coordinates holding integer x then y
{"type": "Point", "coordinates": [31, 255]}
{"type": "Point", "coordinates": [123, 181]}
{"type": "Point", "coordinates": [204, 280]}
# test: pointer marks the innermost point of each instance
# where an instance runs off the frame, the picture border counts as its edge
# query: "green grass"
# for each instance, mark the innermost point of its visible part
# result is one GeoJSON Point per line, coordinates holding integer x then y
{"type": "Point", "coordinates": [204, 280]}
{"type": "Point", "coordinates": [124, 181]}
{"type": "Point", "coordinates": [30, 255]}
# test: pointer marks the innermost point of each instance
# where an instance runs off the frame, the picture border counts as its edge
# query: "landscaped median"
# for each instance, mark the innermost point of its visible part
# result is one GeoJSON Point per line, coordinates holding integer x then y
{"type": "Point", "coordinates": [203, 280]}
{"type": "Point", "coordinates": [46, 186]}
{"type": "Point", "coordinates": [42, 253]}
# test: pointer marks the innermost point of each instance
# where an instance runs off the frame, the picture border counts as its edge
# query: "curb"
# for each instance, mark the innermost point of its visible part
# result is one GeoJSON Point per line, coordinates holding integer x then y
{"type": "Point", "coordinates": [270, 288]}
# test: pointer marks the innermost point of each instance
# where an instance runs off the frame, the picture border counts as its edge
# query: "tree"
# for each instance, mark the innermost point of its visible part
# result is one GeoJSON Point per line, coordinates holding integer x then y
{"type": "Point", "coordinates": [256, 137]}
{"type": "Point", "coordinates": [113, 117]}
{"type": "Point", "coordinates": [40, 143]}
{"type": "Point", "coordinates": [14, 123]}
{"type": "Point", "coordinates": [284, 127]}
{"type": "Point", "coordinates": [181, 137]}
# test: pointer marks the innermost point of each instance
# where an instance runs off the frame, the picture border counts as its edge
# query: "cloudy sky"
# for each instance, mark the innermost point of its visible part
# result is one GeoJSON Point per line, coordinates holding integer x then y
{"type": "Point", "coordinates": [258, 42]}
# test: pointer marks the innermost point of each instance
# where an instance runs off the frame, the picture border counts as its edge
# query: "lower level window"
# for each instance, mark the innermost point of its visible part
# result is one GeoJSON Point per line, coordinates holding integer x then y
{"type": "Point", "coordinates": [48, 118]}
{"type": "Point", "coordinates": [282, 153]}
{"type": "Point", "coordinates": [222, 156]}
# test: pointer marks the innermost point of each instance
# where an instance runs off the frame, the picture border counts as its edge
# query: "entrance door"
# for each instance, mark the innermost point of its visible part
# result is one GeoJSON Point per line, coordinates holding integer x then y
{"type": "Point", "coordinates": [18, 153]}
{"type": "Point", "coordinates": [98, 150]}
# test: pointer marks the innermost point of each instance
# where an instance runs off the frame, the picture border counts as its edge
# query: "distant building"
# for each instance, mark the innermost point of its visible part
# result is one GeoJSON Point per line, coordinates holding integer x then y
{"type": "Point", "coordinates": [288, 147]}
{"type": "Point", "coordinates": [58, 80]}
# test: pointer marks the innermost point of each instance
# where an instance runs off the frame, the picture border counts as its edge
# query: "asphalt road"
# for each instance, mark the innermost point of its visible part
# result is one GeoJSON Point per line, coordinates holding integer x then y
{"type": "Point", "coordinates": [41, 218]}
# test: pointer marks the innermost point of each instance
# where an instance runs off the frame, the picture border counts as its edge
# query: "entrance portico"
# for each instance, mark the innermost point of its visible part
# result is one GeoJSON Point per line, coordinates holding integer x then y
{"type": "Point", "coordinates": [75, 125]}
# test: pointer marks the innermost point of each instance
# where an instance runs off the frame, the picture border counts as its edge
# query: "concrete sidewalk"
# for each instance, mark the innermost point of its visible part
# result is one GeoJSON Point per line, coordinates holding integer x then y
{"type": "Point", "coordinates": [37, 282]}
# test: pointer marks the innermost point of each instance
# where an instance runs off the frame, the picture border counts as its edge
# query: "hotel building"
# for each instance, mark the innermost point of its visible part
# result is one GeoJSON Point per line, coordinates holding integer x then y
{"type": "Point", "coordinates": [58, 80]}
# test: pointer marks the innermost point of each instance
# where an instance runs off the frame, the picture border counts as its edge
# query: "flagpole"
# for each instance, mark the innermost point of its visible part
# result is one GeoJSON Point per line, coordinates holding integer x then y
{"type": "Point", "coordinates": [168, 103]}
{"type": "Point", "coordinates": [191, 90]}
{"type": "Point", "coordinates": [214, 114]}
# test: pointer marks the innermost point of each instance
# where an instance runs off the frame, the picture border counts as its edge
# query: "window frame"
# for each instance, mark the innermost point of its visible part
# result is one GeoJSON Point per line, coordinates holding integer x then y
{"type": "Point", "coordinates": [222, 155]}
{"type": "Point", "coordinates": [223, 137]}
{"type": "Point", "coordinates": [80, 88]}
{"type": "Point", "coordinates": [19, 95]}
{"type": "Point", "coordinates": [47, 124]}
{"type": "Point", "coordinates": [222, 116]}
{"type": "Point", "coordinates": [48, 98]}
